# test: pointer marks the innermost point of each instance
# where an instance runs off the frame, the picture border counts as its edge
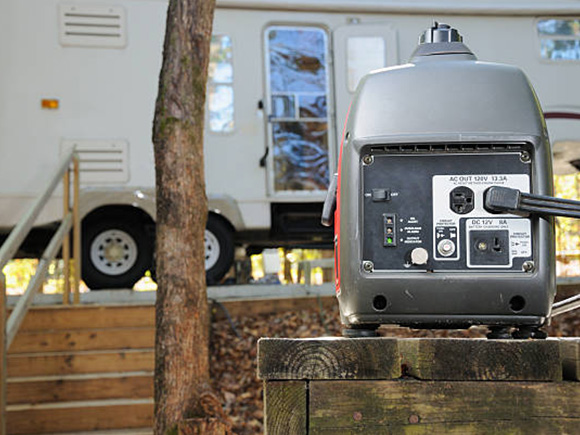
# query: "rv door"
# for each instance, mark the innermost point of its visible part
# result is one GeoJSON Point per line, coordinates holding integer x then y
{"type": "Point", "coordinates": [359, 49]}
{"type": "Point", "coordinates": [299, 122]}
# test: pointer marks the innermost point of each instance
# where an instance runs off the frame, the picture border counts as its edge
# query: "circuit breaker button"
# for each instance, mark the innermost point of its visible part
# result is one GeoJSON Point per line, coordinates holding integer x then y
{"type": "Point", "coordinates": [419, 256]}
{"type": "Point", "coordinates": [446, 248]}
{"type": "Point", "coordinates": [380, 195]}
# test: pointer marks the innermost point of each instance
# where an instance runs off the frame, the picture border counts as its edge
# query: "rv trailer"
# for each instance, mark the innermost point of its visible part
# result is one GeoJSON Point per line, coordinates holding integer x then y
{"type": "Point", "coordinates": [84, 74]}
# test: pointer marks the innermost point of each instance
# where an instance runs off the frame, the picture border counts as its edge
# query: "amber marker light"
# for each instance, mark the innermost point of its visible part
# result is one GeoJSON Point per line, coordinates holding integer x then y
{"type": "Point", "coordinates": [49, 103]}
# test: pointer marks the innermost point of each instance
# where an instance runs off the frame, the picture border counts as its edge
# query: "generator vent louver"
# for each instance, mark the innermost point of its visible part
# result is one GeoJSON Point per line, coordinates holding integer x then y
{"type": "Point", "coordinates": [92, 26]}
{"type": "Point", "coordinates": [101, 161]}
{"type": "Point", "coordinates": [446, 148]}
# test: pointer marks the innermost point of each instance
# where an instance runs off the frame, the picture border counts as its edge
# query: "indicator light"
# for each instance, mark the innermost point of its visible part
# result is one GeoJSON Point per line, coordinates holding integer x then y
{"type": "Point", "coordinates": [49, 103]}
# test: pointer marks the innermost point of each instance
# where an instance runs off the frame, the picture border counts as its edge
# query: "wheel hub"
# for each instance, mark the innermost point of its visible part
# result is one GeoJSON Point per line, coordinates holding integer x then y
{"type": "Point", "coordinates": [113, 252]}
{"type": "Point", "coordinates": [212, 249]}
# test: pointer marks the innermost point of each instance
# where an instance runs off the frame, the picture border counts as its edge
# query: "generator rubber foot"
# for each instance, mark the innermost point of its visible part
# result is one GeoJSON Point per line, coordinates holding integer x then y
{"type": "Point", "coordinates": [499, 333]}
{"type": "Point", "coordinates": [526, 332]}
{"type": "Point", "coordinates": [360, 331]}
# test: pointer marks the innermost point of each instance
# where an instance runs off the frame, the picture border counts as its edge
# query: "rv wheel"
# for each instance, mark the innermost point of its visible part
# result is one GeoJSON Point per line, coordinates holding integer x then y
{"type": "Point", "coordinates": [116, 253]}
{"type": "Point", "coordinates": [219, 249]}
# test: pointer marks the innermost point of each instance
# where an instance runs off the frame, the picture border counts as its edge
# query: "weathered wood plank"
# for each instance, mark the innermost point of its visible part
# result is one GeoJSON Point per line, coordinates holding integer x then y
{"type": "Point", "coordinates": [83, 339]}
{"type": "Point", "coordinates": [481, 360]}
{"type": "Point", "coordinates": [99, 416]}
{"type": "Point", "coordinates": [285, 406]}
{"type": "Point", "coordinates": [328, 358]}
{"type": "Point", "coordinates": [522, 427]}
{"type": "Point", "coordinates": [79, 362]}
{"type": "Point", "coordinates": [570, 349]}
{"type": "Point", "coordinates": [439, 406]}
{"type": "Point", "coordinates": [96, 387]}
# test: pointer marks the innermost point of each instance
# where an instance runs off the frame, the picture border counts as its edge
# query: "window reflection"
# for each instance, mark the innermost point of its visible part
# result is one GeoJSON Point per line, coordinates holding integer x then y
{"type": "Point", "coordinates": [300, 155]}
{"type": "Point", "coordinates": [297, 68]}
{"type": "Point", "coordinates": [220, 85]}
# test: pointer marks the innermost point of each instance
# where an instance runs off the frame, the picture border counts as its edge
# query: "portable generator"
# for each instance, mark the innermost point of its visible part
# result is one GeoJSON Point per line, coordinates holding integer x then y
{"type": "Point", "coordinates": [440, 204]}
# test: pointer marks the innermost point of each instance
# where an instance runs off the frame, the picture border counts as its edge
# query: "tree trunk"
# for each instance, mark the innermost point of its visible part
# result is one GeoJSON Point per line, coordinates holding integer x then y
{"type": "Point", "coordinates": [181, 342]}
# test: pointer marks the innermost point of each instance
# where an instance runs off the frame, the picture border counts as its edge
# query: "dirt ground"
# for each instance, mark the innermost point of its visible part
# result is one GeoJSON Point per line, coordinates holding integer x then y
{"type": "Point", "coordinates": [234, 348]}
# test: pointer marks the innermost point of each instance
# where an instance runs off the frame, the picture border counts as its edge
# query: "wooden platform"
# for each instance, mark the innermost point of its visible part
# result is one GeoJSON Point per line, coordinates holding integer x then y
{"type": "Point", "coordinates": [420, 386]}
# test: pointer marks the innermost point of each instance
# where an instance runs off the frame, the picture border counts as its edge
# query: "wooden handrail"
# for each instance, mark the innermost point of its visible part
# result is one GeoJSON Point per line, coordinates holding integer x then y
{"type": "Point", "coordinates": [21, 308]}
{"type": "Point", "coordinates": [21, 230]}
{"type": "Point", "coordinates": [71, 219]}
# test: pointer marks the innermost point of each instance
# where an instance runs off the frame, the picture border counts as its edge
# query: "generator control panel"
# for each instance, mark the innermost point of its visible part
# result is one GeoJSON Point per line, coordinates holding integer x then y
{"type": "Point", "coordinates": [425, 210]}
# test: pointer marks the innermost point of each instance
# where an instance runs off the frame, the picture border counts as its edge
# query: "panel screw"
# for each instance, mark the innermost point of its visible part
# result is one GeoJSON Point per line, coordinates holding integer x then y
{"type": "Point", "coordinates": [528, 266]}
{"type": "Point", "coordinates": [368, 159]}
{"type": "Point", "coordinates": [368, 266]}
{"type": "Point", "coordinates": [414, 419]}
{"type": "Point", "coordinates": [357, 416]}
{"type": "Point", "coordinates": [525, 157]}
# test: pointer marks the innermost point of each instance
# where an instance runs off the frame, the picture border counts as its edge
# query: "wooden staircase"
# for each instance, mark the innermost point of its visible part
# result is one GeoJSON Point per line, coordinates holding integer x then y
{"type": "Point", "coordinates": [80, 369]}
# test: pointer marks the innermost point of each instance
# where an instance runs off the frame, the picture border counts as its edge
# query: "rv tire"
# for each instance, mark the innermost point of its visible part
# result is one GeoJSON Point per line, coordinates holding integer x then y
{"type": "Point", "coordinates": [116, 253]}
{"type": "Point", "coordinates": [219, 249]}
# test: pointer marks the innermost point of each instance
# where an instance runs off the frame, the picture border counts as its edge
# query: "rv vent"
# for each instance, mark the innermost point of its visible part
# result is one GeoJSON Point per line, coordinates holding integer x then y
{"type": "Point", "coordinates": [92, 26]}
{"type": "Point", "coordinates": [101, 161]}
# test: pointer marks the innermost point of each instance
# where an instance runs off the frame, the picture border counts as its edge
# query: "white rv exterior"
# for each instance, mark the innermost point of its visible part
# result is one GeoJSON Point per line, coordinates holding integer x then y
{"type": "Point", "coordinates": [282, 77]}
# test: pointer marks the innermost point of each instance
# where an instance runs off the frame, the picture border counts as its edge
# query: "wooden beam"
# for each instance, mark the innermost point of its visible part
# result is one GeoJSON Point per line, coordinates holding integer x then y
{"type": "Point", "coordinates": [64, 363]}
{"type": "Point", "coordinates": [570, 349]}
{"type": "Point", "coordinates": [83, 339]}
{"type": "Point", "coordinates": [85, 416]}
{"type": "Point", "coordinates": [470, 359]}
{"type": "Point", "coordinates": [425, 407]}
{"type": "Point", "coordinates": [328, 358]}
{"type": "Point", "coordinates": [136, 385]}
{"type": "Point", "coordinates": [76, 230]}
{"type": "Point", "coordinates": [285, 406]}
{"type": "Point", "coordinates": [66, 239]}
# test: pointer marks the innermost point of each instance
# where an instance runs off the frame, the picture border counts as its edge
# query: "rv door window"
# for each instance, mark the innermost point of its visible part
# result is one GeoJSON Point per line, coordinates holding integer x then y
{"type": "Point", "coordinates": [298, 88]}
{"type": "Point", "coordinates": [364, 54]}
{"type": "Point", "coordinates": [220, 91]}
{"type": "Point", "coordinates": [559, 38]}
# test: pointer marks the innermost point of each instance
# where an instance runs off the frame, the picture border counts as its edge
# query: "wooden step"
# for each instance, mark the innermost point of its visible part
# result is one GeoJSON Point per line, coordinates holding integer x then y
{"type": "Point", "coordinates": [79, 416]}
{"type": "Point", "coordinates": [99, 386]}
{"type": "Point", "coordinates": [67, 363]}
{"type": "Point", "coordinates": [83, 339]}
{"type": "Point", "coordinates": [88, 317]}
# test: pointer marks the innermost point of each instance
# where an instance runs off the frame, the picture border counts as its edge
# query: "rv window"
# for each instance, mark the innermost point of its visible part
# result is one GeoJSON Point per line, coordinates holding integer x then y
{"type": "Point", "coordinates": [559, 39]}
{"type": "Point", "coordinates": [364, 54]}
{"type": "Point", "coordinates": [298, 90]}
{"type": "Point", "coordinates": [220, 91]}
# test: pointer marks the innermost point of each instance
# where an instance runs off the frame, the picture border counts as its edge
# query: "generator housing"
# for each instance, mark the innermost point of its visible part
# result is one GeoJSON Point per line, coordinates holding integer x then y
{"type": "Point", "coordinates": [414, 244]}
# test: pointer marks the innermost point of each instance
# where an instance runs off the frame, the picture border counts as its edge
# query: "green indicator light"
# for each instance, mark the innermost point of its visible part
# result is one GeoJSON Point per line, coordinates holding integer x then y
{"type": "Point", "coordinates": [389, 240]}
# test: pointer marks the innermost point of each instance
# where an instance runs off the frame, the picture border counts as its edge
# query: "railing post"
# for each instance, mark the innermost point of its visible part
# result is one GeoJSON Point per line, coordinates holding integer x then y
{"type": "Point", "coordinates": [3, 354]}
{"type": "Point", "coordinates": [66, 240]}
{"type": "Point", "coordinates": [76, 230]}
